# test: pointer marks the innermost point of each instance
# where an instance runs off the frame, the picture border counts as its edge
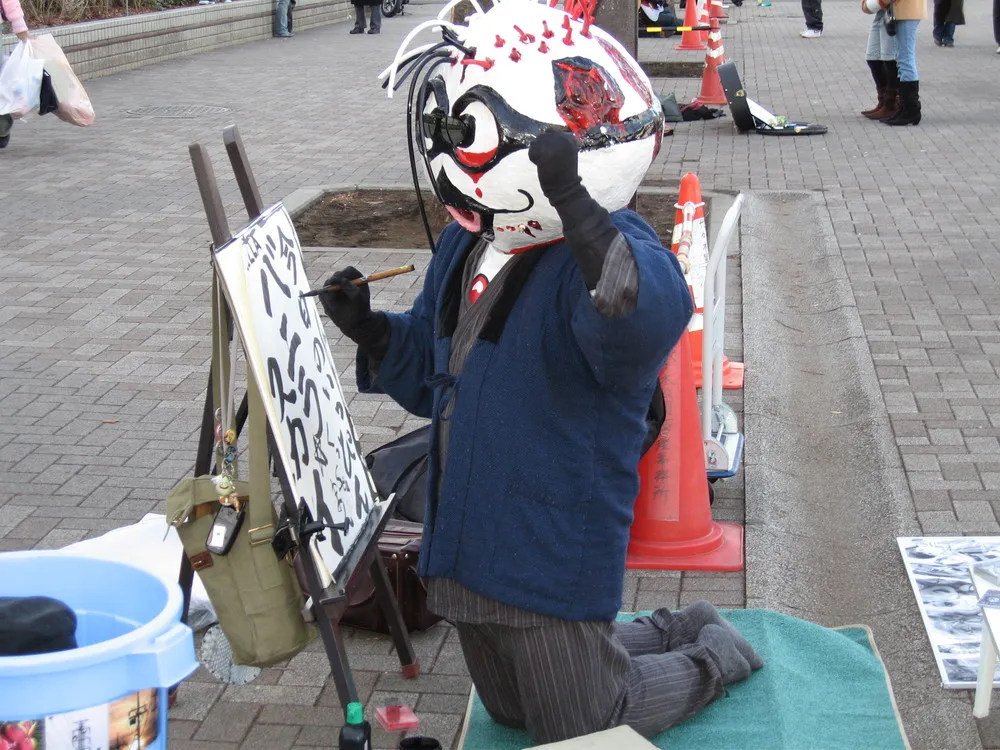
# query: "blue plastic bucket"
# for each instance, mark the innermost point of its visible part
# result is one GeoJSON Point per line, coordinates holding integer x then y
{"type": "Point", "coordinates": [110, 692]}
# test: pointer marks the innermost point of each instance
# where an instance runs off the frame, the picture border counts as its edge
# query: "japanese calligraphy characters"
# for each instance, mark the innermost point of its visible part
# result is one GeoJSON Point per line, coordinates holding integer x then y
{"type": "Point", "coordinates": [288, 353]}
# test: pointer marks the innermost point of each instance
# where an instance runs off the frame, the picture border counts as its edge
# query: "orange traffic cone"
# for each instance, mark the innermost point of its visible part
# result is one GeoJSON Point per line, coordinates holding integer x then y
{"type": "Point", "coordinates": [672, 527]}
{"type": "Point", "coordinates": [711, 85]}
{"type": "Point", "coordinates": [691, 40]}
{"type": "Point", "coordinates": [703, 19]}
{"type": "Point", "coordinates": [691, 249]}
{"type": "Point", "coordinates": [715, 10]}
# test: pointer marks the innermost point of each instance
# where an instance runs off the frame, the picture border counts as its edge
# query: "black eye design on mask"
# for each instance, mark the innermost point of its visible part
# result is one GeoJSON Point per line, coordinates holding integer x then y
{"type": "Point", "coordinates": [446, 132]}
{"type": "Point", "coordinates": [483, 128]}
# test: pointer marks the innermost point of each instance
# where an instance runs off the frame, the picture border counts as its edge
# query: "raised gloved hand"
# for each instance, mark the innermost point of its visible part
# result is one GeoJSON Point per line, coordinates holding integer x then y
{"type": "Point", "coordinates": [350, 310]}
{"type": "Point", "coordinates": [556, 155]}
{"type": "Point", "coordinates": [586, 224]}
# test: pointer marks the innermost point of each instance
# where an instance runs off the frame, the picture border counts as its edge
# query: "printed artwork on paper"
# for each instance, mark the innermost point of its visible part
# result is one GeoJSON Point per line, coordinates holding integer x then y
{"type": "Point", "coordinates": [129, 723]}
{"type": "Point", "coordinates": [263, 275]}
{"type": "Point", "coordinates": [938, 569]}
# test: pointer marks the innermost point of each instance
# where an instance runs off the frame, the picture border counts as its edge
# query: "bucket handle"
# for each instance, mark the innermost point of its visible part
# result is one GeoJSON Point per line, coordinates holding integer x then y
{"type": "Point", "coordinates": [167, 660]}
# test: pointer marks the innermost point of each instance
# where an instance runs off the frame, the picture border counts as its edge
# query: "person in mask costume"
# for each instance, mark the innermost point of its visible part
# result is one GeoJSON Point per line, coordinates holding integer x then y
{"type": "Point", "coordinates": [547, 312]}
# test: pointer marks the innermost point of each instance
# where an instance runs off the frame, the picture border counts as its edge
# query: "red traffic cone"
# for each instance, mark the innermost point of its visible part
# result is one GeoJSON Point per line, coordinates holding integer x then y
{"type": "Point", "coordinates": [711, 85]}
{"type": "Point", "coordinates": [703, 19]}
{"type": "Point", "coordinates": [715, 10]}
{"type": "Point", "coordinates": [691, 40]}
{"type": "Point", "coordinates": [672, 527]}
{"type": "Point", "coordinates": [691, 249]}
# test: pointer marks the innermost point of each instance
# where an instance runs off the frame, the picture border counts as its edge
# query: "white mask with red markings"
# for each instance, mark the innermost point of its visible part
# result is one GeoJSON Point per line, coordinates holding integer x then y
{"type": "Point", "coordinates": [480, 97]}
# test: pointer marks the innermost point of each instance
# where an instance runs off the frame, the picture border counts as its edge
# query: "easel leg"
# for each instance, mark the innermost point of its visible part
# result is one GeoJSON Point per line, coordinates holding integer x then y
{"type": "Point", "coordinates": [390, 608]}
{"type": "Point", "coordinates": [327, 616]}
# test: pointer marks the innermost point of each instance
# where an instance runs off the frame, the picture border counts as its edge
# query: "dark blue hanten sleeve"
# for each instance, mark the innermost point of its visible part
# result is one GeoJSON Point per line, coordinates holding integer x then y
{"type": "Point", "coordinates": [409, 359]}
{"type": "Point", "coordinates": [628, 350]}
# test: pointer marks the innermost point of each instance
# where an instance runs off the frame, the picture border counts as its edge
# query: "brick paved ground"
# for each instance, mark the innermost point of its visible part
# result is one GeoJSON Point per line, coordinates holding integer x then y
{"type": "Point", "coordinates": [104, 314]}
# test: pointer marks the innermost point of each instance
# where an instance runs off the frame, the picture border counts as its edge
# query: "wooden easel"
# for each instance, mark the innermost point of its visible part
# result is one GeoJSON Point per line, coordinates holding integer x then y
{"type": "Point", "coordinates": [325, 605]}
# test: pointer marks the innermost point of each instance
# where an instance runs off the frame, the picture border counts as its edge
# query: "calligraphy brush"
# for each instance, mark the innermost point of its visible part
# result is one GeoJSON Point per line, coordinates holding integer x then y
{"type": "Point", "coordinates": [359, 282]}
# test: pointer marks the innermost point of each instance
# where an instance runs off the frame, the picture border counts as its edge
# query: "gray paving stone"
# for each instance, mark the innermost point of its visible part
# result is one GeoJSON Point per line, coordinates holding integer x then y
{"type": "Point", "coordinates": [270, 737]}
{"type": "Point", "coordinates": [106, 293]}
{"type": "Point", "coordinates": [227, 722]}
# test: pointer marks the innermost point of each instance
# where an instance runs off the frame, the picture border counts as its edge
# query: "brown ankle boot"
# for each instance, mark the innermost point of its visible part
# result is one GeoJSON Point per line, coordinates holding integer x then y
{"type": "Point", "coordinates": [870, 113]}
{"type": "Point", "coordinates": [891, 106]}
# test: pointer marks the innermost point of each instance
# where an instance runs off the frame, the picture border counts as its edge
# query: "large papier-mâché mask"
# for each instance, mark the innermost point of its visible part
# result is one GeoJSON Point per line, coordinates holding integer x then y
{"type": "Point", "coordinates": [485, 93]}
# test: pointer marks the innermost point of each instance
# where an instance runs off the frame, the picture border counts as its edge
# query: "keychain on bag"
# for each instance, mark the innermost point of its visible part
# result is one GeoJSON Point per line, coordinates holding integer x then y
{"type": "Point", "coordinates": [229, 517]}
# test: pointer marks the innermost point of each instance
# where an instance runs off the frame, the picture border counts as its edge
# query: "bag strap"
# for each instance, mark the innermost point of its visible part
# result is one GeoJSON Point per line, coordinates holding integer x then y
{"type": "Point", "coordinates": [221, 334]}
{"type": "Point", "coordinates": [261, 512]}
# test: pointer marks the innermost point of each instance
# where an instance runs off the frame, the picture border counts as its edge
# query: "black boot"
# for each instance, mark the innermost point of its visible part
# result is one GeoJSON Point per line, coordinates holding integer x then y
{"type": "Point", "coordinates": [909, 109]}
{"type": "Point", "coordinates": [879, 75]}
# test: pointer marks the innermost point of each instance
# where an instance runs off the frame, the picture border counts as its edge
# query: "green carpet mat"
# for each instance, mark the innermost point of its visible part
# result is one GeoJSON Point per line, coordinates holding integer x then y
{"type": "Point", "coordinates": [819, 689]}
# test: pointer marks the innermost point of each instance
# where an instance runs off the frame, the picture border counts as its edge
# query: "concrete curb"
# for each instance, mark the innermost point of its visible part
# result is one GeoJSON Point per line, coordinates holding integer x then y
{"type": "Point", "coordinates": [826, 494]}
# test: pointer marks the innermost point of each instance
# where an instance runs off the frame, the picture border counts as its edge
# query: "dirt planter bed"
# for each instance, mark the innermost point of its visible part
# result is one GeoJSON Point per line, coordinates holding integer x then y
{"type": "Point", "coordinates": [390, 218]}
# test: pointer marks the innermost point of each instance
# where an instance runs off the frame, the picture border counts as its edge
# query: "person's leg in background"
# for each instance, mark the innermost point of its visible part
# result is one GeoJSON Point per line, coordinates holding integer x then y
{"type": "Point", "coordinates": [359, 18]}
{"type": "Point", "coordinates": [291, 7]}
{"type": "Point", "coordinates": [376, 18]}
{"type": "Point", "coordinates": [887, 52]}
{"type": "Point", "coordinates": [874, 57]}
{"type": "Point", "coordinates": [281, 20]}
{"type": "Point", "coordinates": [813, 12]}
{"type": "Point", "coordinates": [941, 8]}
{"type": "Point", "coordinates": [944, 31]}
{"type": "Point", "coordinates": [909, 78]}
{"type": "Point", "coordinates": [996, 24]}
{"type": "Point", "coordinates": [6, 122]}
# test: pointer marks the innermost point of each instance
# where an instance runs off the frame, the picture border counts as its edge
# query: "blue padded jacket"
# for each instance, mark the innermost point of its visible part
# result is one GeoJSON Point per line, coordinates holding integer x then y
{"type": "Point", "coordinates": [547, 424]}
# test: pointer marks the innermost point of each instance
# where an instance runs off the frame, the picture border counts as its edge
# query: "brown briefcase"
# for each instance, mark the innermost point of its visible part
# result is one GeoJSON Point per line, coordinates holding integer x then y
{"type": "Point", "coordinates": [400, 547]}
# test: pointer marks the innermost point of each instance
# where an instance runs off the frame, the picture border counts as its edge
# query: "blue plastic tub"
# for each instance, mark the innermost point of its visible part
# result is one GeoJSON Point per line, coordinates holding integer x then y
{"type": "Point", "coordinates": [110, 692]}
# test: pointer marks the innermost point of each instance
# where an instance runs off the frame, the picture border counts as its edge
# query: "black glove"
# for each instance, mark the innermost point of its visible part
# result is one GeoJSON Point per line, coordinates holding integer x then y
{"type": "Point", "coordinates": [556, 154]}
{"type": "Point", "coordinates": [350, 309]}
{"type": "Point", "coordinates": [586, 224]}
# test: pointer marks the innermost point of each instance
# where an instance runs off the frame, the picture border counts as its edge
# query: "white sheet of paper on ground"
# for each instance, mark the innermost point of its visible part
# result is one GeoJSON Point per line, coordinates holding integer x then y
{"type": "Point", "coordinates": [619, 738]}
{"type": "Point", "coordinates": [760, 113]}
{"type": "Point", "coordinates": [154, 547]}
{"type": "Point", "coordinates": [938, 569]}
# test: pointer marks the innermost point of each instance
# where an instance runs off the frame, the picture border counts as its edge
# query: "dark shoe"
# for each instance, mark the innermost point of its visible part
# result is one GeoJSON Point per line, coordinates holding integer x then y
{"type": "Point", "coordinates": [284, 36]}
{"type": "Point", "coordinates": [938, 42]}
{"type": "Point", "coordinates": [946, 43]}
{"type": "Point", "coordinates": [721, 646]}
{"type": "Point", "coordinates": [909, 110]}
{"type": "Point", "coordinates": [356, 30]}
{"type": "Point", "coordinates": [374, 31]}
{"type": "Point", "coordinates": [4, 140]}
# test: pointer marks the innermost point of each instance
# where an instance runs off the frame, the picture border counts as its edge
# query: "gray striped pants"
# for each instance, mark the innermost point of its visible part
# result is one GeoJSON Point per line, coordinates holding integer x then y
{"type": "Point", "coordinates": [574, 678]}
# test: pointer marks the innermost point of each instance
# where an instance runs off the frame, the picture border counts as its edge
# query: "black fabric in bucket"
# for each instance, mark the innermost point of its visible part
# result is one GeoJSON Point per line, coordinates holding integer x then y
{"type": "Point", "coordinates": [35, 625]}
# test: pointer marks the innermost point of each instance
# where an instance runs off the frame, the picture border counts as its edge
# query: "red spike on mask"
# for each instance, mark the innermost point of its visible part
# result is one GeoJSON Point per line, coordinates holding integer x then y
{"type": "Point", "coordinates": [525, 38]}
{"type": "Point", "coordinates": [484, 64]}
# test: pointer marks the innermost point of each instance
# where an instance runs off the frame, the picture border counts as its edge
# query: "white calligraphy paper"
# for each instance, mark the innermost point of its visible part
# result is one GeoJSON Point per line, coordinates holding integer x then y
{"type": "Point", "coordinates": [286, 349]}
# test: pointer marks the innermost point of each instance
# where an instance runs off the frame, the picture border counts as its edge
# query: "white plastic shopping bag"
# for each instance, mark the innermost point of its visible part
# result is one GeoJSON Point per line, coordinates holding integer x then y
{"type": "Point", "coordinates": [20, 82]}
{"type": "Point", "coordinates": [74, 104]}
